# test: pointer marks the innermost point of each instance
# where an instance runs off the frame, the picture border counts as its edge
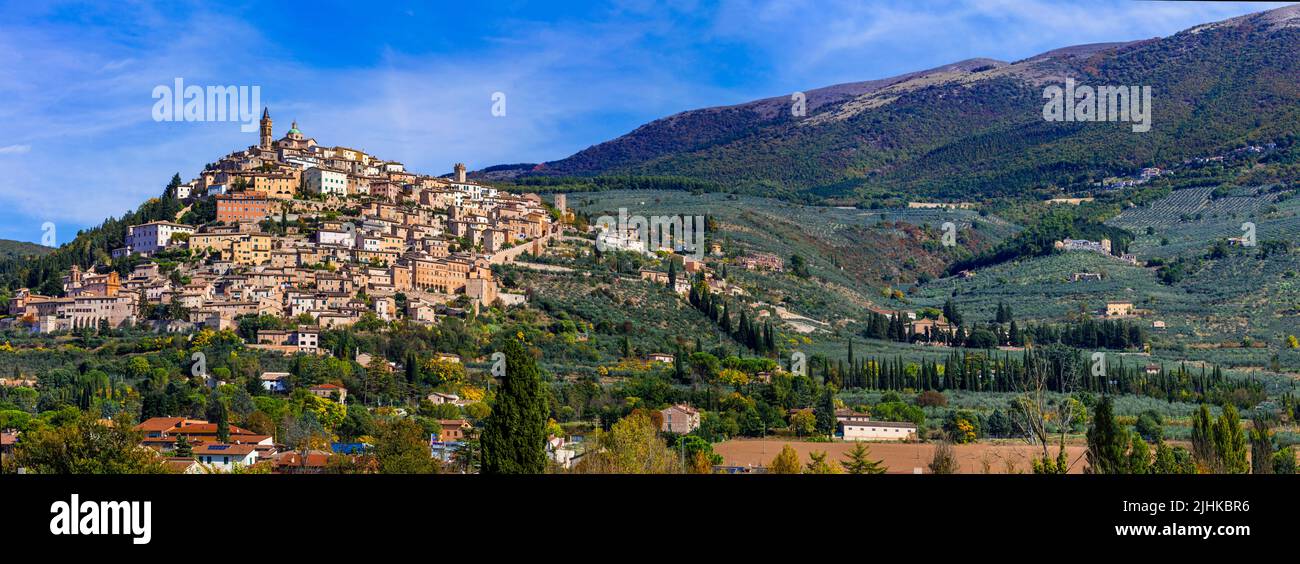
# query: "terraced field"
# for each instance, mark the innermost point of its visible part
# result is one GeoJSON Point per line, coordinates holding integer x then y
{"type": "Point", "coordinates": [1040, 288]}
{"type": "Point", "coordinates": [855, 248]}
{"type": "Point", "coordinates": [1188, 221]}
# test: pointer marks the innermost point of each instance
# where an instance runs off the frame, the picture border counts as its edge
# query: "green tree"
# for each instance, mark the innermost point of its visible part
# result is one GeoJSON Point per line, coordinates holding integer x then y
{"type": "Point", "coordinates": [87, 446]}
{"type": "Point", "coordinates": [1151, 426]}
{"type": "Point", "coordinates": [1284, 461]}
{"type": "Point", "coordinates": [218, 414]}
{"type": "Point", "coordinates": [803, 422]}
{"type": "Point", "coordinates": [402, 447]}
{"type": "Point", "coordinates": [1139, 456]}
{"type": "Point", "coordinates": [356, 424]}
{"type": "Point", "coordinates": [632, 446]}
{"type": "Point", "coordinates": [1261, 448]}
{"type": "Point", "coordinates": [825, 412]}
{"type": "Point", "coordinates": [1172, 460]}
{"type": "Point", "coordinates": [1107, 441]}
{"type": "Point", "coordinates": [183, 448]}
{"type": "Point", "coordinates": [514, 435]}
{"type": "Point", "coordinates": [787, 462]}
{"type": "Point", "coordinates": [819, 465]}
{"type": "Point", "coordinates": [1203, 443]}
{"type": "Point", "coordinates": [858, 463]}
{"type": "Point", "coordinates": [1230, 442]}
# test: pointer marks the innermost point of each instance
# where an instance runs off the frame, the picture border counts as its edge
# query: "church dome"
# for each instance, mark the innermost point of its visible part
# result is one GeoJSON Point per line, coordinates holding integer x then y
{"type": "Point", "coordinates": [293, 129]}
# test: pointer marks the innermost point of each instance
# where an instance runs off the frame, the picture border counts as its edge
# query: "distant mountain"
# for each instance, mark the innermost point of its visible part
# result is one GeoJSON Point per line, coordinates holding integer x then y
{"type": "Point", "coordinates": [17, 249]}
{"type": "Point", "coordinates": [975, 128]}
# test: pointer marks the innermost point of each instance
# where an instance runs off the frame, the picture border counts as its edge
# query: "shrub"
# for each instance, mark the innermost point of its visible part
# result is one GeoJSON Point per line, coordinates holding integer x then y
{"type": "Point", "coordinates": [930, 398]}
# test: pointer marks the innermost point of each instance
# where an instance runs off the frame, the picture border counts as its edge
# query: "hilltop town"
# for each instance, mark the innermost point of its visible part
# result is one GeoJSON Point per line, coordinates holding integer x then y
{"type": "Point", "coordinates": [292, 228]}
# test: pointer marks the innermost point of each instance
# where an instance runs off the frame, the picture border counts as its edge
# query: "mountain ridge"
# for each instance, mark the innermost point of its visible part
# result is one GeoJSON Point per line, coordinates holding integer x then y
{"type": "Point", "coordinates": [955, 130]}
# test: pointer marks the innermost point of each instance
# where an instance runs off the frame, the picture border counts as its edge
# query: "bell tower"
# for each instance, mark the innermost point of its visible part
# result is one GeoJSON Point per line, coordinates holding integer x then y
{"type": "Point", "coordinates": [266, 129]}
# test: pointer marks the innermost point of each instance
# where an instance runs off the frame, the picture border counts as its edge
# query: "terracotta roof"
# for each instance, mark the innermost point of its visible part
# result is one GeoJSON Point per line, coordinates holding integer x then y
{"type": "Point", "coordinates": [206, 428]}
{"type": "Point", "coordinates": [165, 424]}
{"type": "Point", "coordinates": [683, 408]}
{"type": "Point", "coordinates": [160, 423]}
{"type": "Point", "coordinates": [314, 459]}
{"type": "Point", "coordinates": [180, 463]}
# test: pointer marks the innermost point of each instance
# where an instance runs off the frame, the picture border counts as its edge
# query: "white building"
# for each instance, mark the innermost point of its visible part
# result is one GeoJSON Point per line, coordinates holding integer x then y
{"type": "Point", "coordinates": [878, 431]}
{"type": "Point", "coordinates": [226, 457]}
{"type": "Point", "coordinates": [275, 381]}
{"type": "Point", "coordinates": [325, 181]}
{"type": "Point", "coordinates": [476, 192]}
{"type": "Point", "coordinates": [340, 238]}
{"type": "Point", "coordinates": [149, 238]}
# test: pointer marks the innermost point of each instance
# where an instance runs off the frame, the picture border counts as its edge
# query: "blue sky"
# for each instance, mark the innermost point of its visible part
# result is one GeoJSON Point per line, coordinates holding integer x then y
{"type": "Point", "coordinates": [412, 81]}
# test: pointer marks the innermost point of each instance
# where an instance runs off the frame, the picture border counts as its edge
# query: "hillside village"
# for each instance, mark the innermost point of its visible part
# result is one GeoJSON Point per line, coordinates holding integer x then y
{"type": "Point", "coordinates": [322, 234]}
{"type": "Point", "coordinates": [302, 308]}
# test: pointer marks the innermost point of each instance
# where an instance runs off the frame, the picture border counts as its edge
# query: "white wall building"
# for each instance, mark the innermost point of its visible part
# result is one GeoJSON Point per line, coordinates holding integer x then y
{"type": "Point", "coordinates": [878, 431]}
{"type": "Point", "coordinates": [340, 238]}
{"type": "Point", "coordinates": [325, 181]}
{"type": "Point", "coordinates": [149, 238]}
{"type": "Point", "coordinates": [225, 457]}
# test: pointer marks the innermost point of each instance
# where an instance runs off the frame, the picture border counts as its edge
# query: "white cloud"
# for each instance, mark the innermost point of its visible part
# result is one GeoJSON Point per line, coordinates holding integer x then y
{"type": "Point", "coordinates": [84, 98]}
{"type": "Point", "coordinates": [832, 41]}
{"type": "Point", "coordinates": [102, 153]}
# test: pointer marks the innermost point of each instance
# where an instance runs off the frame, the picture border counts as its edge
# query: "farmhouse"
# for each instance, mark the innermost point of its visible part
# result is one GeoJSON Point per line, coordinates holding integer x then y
{"type": "Point", "coordinates": [1115, 309]}
{"type": "Point", "coordinates": [680, 419]}
{"type": "Point", "coordinates": [330, 391]}
{"type": "Point", "coordinates": [226, 457]}
{"type": "Point", "coordinates": [453, 430]}
{"type": "Point", "coordinates": [275, 381]}
{"type": "Point", "coordinates": [878, 431]}
{"type": "Point", "coordinates": [761, 261]}
{"type": "Point", "coordinates": [660, 357]}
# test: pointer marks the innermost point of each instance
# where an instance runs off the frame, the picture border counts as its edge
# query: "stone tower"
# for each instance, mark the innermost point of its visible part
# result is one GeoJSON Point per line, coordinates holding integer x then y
{"type": "Point", "coordinates": [265, 142]}
{"type": "Point", "coordinates": [460, 172]}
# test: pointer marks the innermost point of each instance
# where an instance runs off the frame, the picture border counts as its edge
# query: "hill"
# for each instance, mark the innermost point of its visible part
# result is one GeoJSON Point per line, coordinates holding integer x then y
{"type": "Point", "coordinates": [974, 129]}
{"type": "Point", "coordinates": [18, 249]}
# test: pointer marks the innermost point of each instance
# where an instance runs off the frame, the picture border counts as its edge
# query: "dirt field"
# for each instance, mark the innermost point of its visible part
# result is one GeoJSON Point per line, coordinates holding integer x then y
{"type": "Point", "coordinates": [900, 458]}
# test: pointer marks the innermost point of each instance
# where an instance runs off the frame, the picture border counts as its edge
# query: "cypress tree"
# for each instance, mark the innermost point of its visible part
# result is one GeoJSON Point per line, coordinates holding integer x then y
{"type": "Point", "coordinates": [514, 435]}
{"type": "Point", "coordinates": [1107, 441]}
{"type": "Point", "coordinates": [1203, 447]}
{"type": "Point", "coordinates": [1230, 442]}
